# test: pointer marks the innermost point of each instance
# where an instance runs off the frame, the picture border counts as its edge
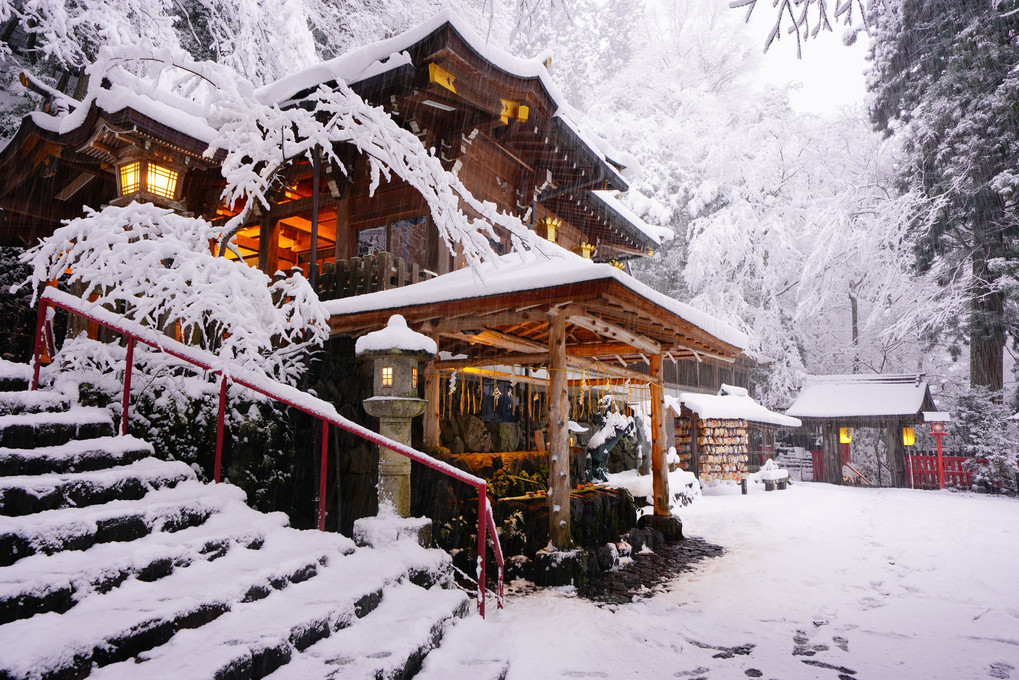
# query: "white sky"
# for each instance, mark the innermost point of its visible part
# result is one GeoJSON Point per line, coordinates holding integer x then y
{"type": "Point", "coordinates": [830, 74]}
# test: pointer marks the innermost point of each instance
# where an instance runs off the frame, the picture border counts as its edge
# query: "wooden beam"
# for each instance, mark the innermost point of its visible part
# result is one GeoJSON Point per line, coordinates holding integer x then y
{"type": "Point", "coordinates": [76, 185]}
{"type": "Point", "coordinates": [614, 332]}
{"type": "Point", "coordinates": [659, 462]}
{"type": "Point", "coordinates": [504, 341]}
{"type": "Point", "coordinates": [558, 437]}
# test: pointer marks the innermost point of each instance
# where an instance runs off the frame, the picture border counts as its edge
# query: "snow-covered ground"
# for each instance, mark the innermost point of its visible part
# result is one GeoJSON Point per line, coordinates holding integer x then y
{"type": "Point", "coordinates": [877, 584]}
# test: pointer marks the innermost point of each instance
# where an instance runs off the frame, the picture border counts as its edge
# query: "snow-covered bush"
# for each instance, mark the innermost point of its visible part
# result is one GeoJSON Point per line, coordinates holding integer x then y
{"type": "Point", "coordinates": [15, 307]}
{"type": "Point", "coordinates": [980, 429]}
{"type": "Point", "coordinates": [156, 267]}
{"type": "Point", "coordinates": [176, 411]}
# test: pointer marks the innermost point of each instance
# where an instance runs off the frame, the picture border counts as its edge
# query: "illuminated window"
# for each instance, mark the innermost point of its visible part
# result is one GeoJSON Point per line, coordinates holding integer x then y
{"type": "Point", "coordinates": [130, 178]}
{"type": "Point", "coordinates": [161, 181]}
{"type": "Point", "coordinates": [414, 377]}
{"type": "Point", "coordinates": [387, 376]}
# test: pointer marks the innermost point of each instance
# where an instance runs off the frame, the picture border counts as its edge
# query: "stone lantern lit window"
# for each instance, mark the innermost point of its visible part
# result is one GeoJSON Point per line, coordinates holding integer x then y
{"type": "Point", "coordinates": [387, 376]}
{"type": "Point", "coordinates": [145, 175]}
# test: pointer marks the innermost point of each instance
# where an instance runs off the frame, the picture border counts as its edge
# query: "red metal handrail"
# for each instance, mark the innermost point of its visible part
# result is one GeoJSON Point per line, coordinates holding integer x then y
{"type": "Point", "coordinates": [302, 401]}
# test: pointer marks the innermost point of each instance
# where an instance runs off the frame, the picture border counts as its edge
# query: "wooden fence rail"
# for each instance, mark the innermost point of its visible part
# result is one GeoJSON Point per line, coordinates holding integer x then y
{"type": "Point", "coordinates": [360, 275]}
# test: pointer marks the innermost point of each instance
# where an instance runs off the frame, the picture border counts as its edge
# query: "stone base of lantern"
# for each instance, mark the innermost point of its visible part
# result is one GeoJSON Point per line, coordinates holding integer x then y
{"type": "Point", "coordinates": [387, 528]}
{"type": "Point", "coordinates": [670, 526]}
{"type": "Point", "coordinates": [562, 567]}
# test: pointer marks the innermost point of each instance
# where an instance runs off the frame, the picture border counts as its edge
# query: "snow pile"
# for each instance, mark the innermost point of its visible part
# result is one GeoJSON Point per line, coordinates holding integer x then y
{"type": "Point", "coordinates": [683, 484]}
{"type": "Point", "coordinates": [769, 472]}
{"type": "Point", "coordinates": [395, 336]}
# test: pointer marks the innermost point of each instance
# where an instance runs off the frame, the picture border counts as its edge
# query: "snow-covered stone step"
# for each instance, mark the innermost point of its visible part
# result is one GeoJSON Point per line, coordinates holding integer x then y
{"type": "Point", "coordinates": [14, 377]}
{"type": "Point", "coordinates": [171, 509]}
{"type": "Point", "coordinates": [38, 401]}
{"type": "Point", "coordinates": [256, 638]}
{"type": "Point", "coordinates": [107, 628]}
{"type": "Point", "coordinates": [57, 582]}
{"type": "Point", "coordinates": [74, 456]}
{"type": "Point", "coordinates": [28, 494]}
{"type": "Point", "coordinates": [29, 430]}
{"type": "Point", "coordinates": [389, 643]}
{"type": "Point", "coordinates": [442, 666]}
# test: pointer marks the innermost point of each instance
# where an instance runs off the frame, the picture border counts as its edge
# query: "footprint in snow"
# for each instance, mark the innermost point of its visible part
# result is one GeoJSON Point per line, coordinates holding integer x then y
{"type": "Point", "coordinates": [1001, 670]}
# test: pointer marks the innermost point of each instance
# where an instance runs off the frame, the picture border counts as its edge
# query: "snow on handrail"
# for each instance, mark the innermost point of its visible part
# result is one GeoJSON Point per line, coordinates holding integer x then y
{"type": "Point", "coordinates": [302, 401]}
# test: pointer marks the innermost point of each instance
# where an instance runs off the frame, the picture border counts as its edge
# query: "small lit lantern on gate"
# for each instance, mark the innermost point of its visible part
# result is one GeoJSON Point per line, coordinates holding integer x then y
{"type": "Point", "coordinates": [908, 436]}
{"type": "Point", "coordinates": [147, 175]}
{"type": "Point", "coordinates": [937, 420]}
{"type": "Point", "coordinates": [845, 435]}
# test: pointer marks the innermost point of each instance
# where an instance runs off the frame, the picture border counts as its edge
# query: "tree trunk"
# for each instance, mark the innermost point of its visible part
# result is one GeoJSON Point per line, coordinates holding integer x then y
{"type": "Point", "coordinates": [659, 462]}
{"type": "Point", "coordinates": [558, 436]}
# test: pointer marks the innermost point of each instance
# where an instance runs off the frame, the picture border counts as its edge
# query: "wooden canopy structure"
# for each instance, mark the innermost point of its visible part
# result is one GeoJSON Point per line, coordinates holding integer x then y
{"type": "Point", "coordinates": [586, 316]}
{"type": "Point", "coordinates": [886, 402]}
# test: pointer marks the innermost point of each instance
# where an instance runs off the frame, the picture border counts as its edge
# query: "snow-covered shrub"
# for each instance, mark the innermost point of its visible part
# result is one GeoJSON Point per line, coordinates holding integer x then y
{"type": "Point", "coordinates": [176, 411]}
{"type": "Point", "coordinates": [15, 308]}
{"type": "Point", "coordinates": [980, 429]}
{"type": "Point", "coordinates": [156, 267]}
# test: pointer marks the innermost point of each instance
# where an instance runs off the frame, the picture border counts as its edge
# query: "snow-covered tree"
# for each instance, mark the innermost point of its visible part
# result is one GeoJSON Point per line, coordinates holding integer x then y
{"type": "Point", "coordinates": [980, 426]}
{"type": "Point", "coordinates": [156, 268]}
{"type": "Point", "coordinates": [944, 80]}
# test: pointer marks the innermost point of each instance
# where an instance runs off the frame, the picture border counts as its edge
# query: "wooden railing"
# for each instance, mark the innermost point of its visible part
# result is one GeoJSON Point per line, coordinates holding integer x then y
{"type": "Point", "coordinates": [360, 275]}
{"type": "Point", "coordinates": [133, 332]}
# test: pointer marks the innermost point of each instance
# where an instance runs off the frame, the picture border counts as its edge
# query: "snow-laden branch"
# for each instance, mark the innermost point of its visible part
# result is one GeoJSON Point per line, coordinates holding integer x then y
{"type": "Point", "coordinates": [156, 268]}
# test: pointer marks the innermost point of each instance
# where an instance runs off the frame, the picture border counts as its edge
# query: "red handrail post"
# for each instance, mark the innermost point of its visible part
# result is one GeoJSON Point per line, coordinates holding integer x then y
{"type": "Point", "coordinates": [482, 525]}
{"type": "Point", "coordinates": [322, 476]}
{"type": "Point", "coordinates": [220, 423]}
{"type": "Point", "coordinates": [37, 351]}
{"type": "Point", "coordinates": [127, 385]}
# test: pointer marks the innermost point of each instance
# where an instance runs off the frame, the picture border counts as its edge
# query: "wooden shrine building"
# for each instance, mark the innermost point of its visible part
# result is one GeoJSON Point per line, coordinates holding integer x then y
{"type": "Point", "coordinates": [835, 404]}
{"type": "Point", "coordinates": [501, 126]}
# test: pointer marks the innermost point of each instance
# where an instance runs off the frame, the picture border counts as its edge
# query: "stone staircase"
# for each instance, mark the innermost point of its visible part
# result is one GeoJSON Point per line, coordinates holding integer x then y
{"type": "Point", "coordinates": [115, 564]}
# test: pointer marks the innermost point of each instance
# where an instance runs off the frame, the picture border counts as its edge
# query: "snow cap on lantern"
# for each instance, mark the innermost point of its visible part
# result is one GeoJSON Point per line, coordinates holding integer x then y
{"type": "Point", "coordinates": [396, 351]}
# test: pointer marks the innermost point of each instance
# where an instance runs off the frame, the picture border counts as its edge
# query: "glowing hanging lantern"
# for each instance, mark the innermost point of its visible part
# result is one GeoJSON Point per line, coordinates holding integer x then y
{"type": "Point", "coordinates": [908, 436]}
{"type": "Point", "coordinates": [845, 435]}
{"type": "Point", "coordinates": [145, 175]}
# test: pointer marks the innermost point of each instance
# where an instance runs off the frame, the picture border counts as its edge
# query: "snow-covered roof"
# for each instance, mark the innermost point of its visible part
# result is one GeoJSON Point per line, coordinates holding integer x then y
{"type": "Point", "coordinates": [610, 200]}
{"type": "Point", "coordinates": [520, 272]}
{"type": "Point", "coordinates": [733, 404]}
{"type": "Point", "coordinates": [862, 396]}
{"type": "Point", "coordinates": [377, 58]}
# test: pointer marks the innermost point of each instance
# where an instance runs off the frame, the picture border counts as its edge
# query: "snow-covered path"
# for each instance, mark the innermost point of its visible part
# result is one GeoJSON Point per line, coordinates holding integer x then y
{"type": "Point", "coordinates": [823, 581]}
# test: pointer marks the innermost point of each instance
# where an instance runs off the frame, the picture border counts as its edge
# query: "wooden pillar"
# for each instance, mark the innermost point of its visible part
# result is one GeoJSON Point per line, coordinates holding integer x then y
{"type": "Point", "coordinates": [896, 456]}
{"type": "Point", "coordinates": [345, 238]}
{"type": "Point", "coordinates": [558, 436]}
{"type": "Point", "coordinates": [659, 461]}
{"type": "Point", "coordinates": [269, 245]}
{"type": "Point", "coordinates": [432, 435]}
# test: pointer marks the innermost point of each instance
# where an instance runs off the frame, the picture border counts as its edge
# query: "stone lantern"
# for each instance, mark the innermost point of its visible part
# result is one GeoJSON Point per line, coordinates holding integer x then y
{"type": "Point", "coordinates": [396, 352]}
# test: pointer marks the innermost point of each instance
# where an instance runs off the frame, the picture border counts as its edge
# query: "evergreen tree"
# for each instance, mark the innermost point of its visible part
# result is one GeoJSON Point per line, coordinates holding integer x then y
{"type": "Point", "coordinates": [980, 428]}
{"type": "Point", "coordinates": [945, 79]}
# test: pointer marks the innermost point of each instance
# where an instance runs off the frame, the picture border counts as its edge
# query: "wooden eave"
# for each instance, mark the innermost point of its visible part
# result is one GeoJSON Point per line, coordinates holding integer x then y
{"type": "Point", "coordinates": [608, 325]}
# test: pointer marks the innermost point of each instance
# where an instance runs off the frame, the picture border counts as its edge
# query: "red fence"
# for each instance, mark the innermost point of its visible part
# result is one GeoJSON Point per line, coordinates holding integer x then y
{"type": "Point", "coordinates": [922, 471]}
{"type": "Point", "coordinates": [302, 401]}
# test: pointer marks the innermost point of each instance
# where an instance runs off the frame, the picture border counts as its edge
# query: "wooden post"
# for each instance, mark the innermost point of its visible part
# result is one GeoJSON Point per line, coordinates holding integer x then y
{"type": "Point", "coordinates": [432, 436]}
{"type": "Point", "coordinates": [659, 462]}
{"type": "Point", "coordinates": [269, 245]}
{"type": "Point", "coordinates": [558, 436]}
{"type": "Point", "coordinates": [344, 238]}
{"type": "Point", "coordinates": [316, 162]}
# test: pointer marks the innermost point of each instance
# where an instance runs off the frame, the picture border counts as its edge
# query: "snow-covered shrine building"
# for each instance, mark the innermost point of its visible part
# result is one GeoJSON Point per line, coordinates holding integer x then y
{"type": "Point", "coordinates": [832, 405]}
{"type": "Point", "coordinates": [523, 347]}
